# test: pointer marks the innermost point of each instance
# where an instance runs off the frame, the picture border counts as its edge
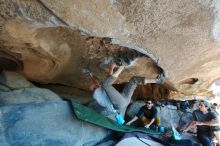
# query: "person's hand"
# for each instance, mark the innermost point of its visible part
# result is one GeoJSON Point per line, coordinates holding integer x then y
{"type": "Point", "coordinates": [113, 65]}
{"type": "Point", "coordinates": [127, 123]}
{"type": "Point", "coordinates": [185, 130]}
{"type": "Point", "coordinates": [147, 126]}
{"type": "Point", "coordinates": [193, 123]}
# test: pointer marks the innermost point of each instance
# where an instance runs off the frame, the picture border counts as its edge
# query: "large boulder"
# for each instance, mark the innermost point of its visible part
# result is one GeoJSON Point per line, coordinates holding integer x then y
{"type": "Point", "coordinates": [35, 116]}
{"type": "Point", "coordinates": [47, 123]}
{"type": "Point", "coordinates": [15, 89]}
{"type": "Point", "coordinates": [27, 95]}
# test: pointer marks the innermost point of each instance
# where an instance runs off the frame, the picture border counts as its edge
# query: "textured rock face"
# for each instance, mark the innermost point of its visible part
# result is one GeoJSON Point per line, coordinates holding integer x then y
{"type": "Point", "coordinates": [52, 41]}
{"type": "Point", "coordinates": [53, 124]}
{"type": "Point", "coordinates": [37, 116]}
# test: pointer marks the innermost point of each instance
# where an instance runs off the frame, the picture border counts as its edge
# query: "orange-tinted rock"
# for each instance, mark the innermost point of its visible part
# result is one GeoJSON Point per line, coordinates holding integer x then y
{"type": "Point", "coordinates": [57, 40]}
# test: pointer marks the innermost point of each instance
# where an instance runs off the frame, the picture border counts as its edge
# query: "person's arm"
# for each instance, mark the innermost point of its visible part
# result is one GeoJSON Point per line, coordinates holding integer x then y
{"type": "Point", "coordinates": [139, 114]}
{"type": "Point", "coordinates": [190, 126]}
{"type": "Point", "coordinates": [213, 122]}
{"type": "Point", "coordinates": [111, 69]}
{"type": "Point", "coordinates": [192, 123]}
{"type": "Point", "coordinates": [151, 122]}
{"type": "Point", "coordinates": [132, 120]}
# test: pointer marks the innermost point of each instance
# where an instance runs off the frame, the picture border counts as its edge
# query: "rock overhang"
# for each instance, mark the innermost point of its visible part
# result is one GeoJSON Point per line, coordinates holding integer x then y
{"type": "Point", "coordinates": [57, 40]}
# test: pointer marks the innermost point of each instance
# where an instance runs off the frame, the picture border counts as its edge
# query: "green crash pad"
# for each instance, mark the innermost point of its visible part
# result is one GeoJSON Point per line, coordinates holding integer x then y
{"type": "Point", "coordinates": [89, 115]}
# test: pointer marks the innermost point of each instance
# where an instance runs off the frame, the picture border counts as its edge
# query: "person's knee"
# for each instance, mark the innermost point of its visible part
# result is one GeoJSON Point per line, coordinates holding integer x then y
{"type": "Point", "coordinates": [144, 120]}
{"type": "Point", "coordinates": [157, 121]}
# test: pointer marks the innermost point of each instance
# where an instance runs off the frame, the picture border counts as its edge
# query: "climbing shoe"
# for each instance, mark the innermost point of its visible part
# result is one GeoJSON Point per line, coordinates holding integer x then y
{"type": "Point", "coordinates": [124, 62]}
{"type": "Point", "coordinates": [139, 80]}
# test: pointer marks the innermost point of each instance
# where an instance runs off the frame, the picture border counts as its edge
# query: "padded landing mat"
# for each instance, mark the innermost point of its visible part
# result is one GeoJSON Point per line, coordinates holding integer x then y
{"type": "Point", "coordinates": [89, 115]}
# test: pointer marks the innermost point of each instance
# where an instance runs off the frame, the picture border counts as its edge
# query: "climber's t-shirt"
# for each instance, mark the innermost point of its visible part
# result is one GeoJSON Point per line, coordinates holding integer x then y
{"type": "Point", "coordinates": [203, 117]}
{"type": "Point", "coordinates": [148, 113]}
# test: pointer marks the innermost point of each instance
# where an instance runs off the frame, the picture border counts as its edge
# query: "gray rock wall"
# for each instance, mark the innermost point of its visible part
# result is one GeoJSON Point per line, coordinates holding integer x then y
{"type": "Point", "coordinates": [49, 123]}
{"type": "Point", "coordinates": [31, 116]}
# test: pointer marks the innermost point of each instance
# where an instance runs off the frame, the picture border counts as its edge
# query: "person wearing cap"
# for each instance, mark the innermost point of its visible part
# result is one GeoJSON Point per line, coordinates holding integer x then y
{"type": "Point", "coordinates": [204, 120]}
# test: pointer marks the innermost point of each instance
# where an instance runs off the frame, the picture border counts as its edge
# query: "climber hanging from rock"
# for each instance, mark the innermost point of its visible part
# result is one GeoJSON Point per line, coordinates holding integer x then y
{"type": "Point", "coordinates": [113, 102]}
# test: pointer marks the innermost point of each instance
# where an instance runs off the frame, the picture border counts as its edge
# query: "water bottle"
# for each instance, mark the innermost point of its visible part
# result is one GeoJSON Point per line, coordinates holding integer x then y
{"type": "Point", "coordinates": [119, 119]}
{"type": "Point", "coordinates": [161, 129]}
{"type": "Point", "coordinates": [176, 134]}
